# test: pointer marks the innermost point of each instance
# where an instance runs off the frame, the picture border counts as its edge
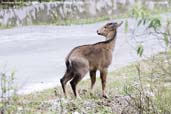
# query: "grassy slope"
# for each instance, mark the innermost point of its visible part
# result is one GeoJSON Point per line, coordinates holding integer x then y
{"type": "Point", "coordinates": [89, 103]}
{"type": "Point", "coordinates": [120, 83]}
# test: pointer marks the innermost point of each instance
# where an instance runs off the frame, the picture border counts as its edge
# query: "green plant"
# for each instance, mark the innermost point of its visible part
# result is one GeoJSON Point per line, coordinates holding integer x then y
{"type": "Point", "coordinates": [8, 93]}
{"type": "Point", "coordinates": [150, 93]}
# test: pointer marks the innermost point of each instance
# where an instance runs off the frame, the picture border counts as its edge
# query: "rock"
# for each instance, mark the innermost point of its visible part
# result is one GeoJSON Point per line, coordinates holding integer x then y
{"type": "Point", "coordinates": [75, 112]}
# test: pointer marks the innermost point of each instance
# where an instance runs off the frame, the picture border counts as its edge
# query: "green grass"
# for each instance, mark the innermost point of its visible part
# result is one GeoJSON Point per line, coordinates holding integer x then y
{"type": "Point", "coordinates": [5, 27]}
{"type": "Point", "coordinates": [121, 82]}
{"type": "Point", "coordinates": [40, 102]}
{"type": "Point", "coordinates": [116, 82]}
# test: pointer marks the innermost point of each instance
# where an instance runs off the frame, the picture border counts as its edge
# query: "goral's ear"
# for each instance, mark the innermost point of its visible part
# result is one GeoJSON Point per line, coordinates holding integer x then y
{"type": "Point", "coordinates": [118, 25]}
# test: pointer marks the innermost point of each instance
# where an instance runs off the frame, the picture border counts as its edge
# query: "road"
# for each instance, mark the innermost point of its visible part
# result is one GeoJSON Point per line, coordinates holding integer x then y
{"type": "Point", "coordinates": [37, 53]}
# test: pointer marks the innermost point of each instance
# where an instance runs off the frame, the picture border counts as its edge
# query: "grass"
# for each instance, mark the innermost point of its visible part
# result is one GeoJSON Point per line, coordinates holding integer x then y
{"type": "Point", "coordinates": [90, 103]}
{"type": "Point", "coordinates": [6, 27]}
{"type": "Point", "coordinates": [142, 87]}
{"type": "Point", "coordinates": [121, 82]}
{"type": "Point", "coordinates": [51, 101]}
{"type": "Point", "coordinates": [123, 85]}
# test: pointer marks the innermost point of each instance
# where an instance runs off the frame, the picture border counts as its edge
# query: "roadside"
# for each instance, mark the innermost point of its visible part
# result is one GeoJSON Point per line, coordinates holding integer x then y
{"type": "Point", "coordinates": [142, 87]}
{"type": "Point", "coordinates": [45, 47]}
{"type": "Point", "coordinates": [89, 20]}
{"type": "Point", "coordinates": [122, 88]}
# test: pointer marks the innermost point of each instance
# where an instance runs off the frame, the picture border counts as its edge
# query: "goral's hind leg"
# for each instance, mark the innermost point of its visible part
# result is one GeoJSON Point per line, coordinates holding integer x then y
{"type": "Point", "coordinates": [80, 68]}
{"type": "Point", "coordinates": [74, 83]}
{"type": "Point", "coordinates": [67, 76]}
{"type": "Point", "coordinates": [77, 78]}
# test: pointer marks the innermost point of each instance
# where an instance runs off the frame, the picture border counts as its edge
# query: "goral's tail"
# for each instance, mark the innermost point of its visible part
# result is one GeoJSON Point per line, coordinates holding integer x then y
{"type": "Point", "coordinates": [68, 64]}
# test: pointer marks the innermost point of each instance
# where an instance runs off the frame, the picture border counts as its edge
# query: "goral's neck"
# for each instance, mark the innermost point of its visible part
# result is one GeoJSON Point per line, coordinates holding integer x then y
{"type": "Point", "coordinates": [110, 43]}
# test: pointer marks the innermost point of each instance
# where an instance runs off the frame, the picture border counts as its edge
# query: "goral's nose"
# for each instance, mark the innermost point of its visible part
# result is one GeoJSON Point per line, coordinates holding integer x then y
{"type": "Point", "coordinates": [98, 32]}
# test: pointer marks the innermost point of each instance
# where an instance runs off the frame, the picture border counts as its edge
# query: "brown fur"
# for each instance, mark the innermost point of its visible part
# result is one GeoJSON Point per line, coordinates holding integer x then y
{"type": "Point", "coordinates": [91, 58]}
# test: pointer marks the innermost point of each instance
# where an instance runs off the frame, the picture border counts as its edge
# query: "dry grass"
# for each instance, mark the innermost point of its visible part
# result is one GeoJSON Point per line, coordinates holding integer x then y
{"type": "Point", "coordinates": [142, 87]}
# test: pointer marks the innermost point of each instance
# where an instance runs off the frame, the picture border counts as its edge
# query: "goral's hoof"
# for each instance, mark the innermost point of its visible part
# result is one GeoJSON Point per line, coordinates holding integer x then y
{"type": "Point", "coordinates": [105, 96]}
